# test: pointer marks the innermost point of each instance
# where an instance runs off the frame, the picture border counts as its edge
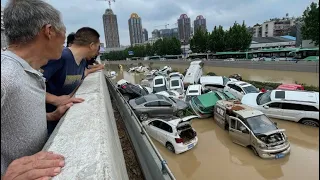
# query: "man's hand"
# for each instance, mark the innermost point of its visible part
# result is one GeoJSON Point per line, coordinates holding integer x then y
{"type": "Point", "coordinates": [66, 99]}
{"type": "Point", "coordinates": [59, 112]}
{"type": "Point", "coordinates": [40, 166]}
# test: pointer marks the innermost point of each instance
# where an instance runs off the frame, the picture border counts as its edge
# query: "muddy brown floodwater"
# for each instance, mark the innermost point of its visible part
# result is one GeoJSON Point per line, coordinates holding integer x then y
{"type": "Point", "coordinates": [217, 157]}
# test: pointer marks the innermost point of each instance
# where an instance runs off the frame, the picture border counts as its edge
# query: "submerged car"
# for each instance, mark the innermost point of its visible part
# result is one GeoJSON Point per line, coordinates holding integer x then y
{"type": "Point", "coordinates": [159, 84]}
{"type": "Point", "coordinates": [131, 91]}
{"type": "Point", "coordinates": [193, 91]}
{"type": "Point", "coordinates": [240, 88]}
{"type": "Point", "coordinates": [203, 105]}
{"type": "Point", "coordinates": [176, 84]}
{"type": "Point", "coordinates": [156, 105]}
{"type": "Point", "coordinates": [251, 128]}
{"type": "Point", "coordinates": [176, 134]}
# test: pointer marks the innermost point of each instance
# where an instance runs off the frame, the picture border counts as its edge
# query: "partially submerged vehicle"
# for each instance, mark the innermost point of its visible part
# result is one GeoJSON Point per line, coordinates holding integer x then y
{"type": "Point", "coordinates": [203, 105]}
{"type": "Point", "coordinates": [131, 91]}
{"type": "Point", "coordinates": [251, 128]}
{"type": "Point", "coordinates": [193, 73]}
{"type": "Point", "coordinates": [159, 84]}
{"type": "Point", "coordinates": [176, 74]}
{"type": "Point", "coordinates": [290, 87]}
{"type": "Point", "coordinates": [193, 91]}
{"type": "Point", "coordinates": [176, 84]}
{"type": "Point", "coordinates": [240, 88]}
{"type": "Point", "coordinates": [176, 134]}
{"type": "Point", "coordinates": [156, 105]}
{"type": "Point", "coordinates": [170, 93]}
{"type": "Point", "coordinates": [165, 70]}
{"type": "Point", "coordinates": [213, 82]}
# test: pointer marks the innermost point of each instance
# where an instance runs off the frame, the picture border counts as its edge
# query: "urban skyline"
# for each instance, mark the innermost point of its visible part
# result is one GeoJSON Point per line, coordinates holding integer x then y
{"type": "Point", "coordinates": [110, 25]}
{"type": "Point", "coordinates": [157, 12]}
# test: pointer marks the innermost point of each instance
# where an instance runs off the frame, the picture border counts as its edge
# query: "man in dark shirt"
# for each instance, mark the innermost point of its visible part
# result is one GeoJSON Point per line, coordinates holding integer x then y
{"type": "Point", "coordinates": [63, 76]}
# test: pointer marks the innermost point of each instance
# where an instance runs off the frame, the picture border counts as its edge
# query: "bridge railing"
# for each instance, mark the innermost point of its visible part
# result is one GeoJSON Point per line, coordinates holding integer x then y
{"type": "Point", "coordinates": [152, 163]}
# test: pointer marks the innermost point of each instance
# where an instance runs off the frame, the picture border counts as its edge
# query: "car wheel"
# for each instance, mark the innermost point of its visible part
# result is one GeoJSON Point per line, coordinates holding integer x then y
{"type": "Point", "coordinates": [126, 97]}
{"type": "Point", "coordinates": [143, 117]}
{"type": "Point", "coordinates": [180, 113]}
{"type": "Point", "coordinates": [310, 122]}
{"type": "Point", "coordinates": [170, 147]}
{"type": "Point", "coordinates": [254, 151]}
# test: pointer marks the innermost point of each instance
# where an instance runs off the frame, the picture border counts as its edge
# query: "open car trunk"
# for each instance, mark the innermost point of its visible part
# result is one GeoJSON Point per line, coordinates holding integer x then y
{"type": "Point", "coordinates": [185, 130]}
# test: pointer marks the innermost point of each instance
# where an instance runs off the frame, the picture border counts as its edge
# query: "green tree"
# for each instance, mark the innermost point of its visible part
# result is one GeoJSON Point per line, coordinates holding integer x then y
{"type": "Point", "coordinates": [198, 43]}
{"type": "Point", "coordinates": [216, 40]}
{"type": "Point", "coordinates": [310, 28]}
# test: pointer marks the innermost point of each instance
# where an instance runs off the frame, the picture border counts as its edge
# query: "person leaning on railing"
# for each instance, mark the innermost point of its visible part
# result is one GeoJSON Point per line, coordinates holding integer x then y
{"type": "Point", "coordinates": [64, 75]}
{"type": "Point", "coordinates": [35, 33]}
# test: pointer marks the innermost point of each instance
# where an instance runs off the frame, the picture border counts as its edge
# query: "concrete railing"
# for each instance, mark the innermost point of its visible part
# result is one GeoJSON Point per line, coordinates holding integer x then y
{"type": "Point", "coordinates": [87, 136]}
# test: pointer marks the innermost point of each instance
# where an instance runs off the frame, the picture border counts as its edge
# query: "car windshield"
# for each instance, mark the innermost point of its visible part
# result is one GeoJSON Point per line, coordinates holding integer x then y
{"type": "Point", "coordinates": [159, 89]}
{"type": "Point", "coordinates": [140, 100]}
{"type": "Point", "coordinates": [225, 80]}
{"type": "Point", "coordinates": [263, 98]}
{"type": "Point", "coordinates": [193, 91]}
{"type": "Point", "coordinates": [261, 124]}
{"type": "Point", "coordinates": [250, 89]}
{"type": "Point", "coordinates": [158, 81]}
{"type": "Point", "coordinates": [175, 83]}
{"type": "Point", "coordinates": [225, 95]}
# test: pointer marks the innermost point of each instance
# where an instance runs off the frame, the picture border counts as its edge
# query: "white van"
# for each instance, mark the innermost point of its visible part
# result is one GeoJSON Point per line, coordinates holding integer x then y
{"type": "Point", "coordinates": [194, 73]}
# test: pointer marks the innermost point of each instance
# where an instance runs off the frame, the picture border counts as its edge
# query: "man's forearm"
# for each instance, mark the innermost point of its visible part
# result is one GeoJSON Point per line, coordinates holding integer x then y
{"type": "Point", "coordinates": [92, 70]}
{"type": "Point", "coordinates": [51, 99]}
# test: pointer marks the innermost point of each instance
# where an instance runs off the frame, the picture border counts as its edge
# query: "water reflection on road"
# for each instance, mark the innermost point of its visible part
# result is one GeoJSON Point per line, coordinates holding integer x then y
{"type": "Point", "coordinates": [217, 157]}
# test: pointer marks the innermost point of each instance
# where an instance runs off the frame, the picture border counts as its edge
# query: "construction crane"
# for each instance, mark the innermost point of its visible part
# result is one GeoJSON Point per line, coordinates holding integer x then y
{"type": "Point", "coordinates": [165, 25]}
{"type": "Point", "coordinates": [109, 1]}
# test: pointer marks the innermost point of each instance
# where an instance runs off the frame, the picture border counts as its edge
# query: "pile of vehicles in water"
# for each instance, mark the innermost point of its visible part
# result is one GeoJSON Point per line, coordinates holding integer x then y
{"type": "Point", "coordinates": [163, 97]}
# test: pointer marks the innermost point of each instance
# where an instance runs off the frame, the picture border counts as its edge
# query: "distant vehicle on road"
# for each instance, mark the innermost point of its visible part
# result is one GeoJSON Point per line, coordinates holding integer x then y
{"type": "Point", "coordinates": [296, 106]}
{"type": "Point", "coordinates": [176, 134]}
{"type": "Point", "coordinates": [251, 128]}
{"type": "Point", "coordinates": [155, 105]}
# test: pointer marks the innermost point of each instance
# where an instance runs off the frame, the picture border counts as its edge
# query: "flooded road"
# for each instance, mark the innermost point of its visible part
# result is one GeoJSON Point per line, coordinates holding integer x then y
{"type": "Point", "coordinates": [217, 157]}
{"type": "Point", "coordinates": [253, 74]}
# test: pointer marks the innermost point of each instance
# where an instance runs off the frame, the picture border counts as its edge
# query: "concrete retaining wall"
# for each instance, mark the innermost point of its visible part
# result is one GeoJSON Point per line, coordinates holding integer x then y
{"type": "Point", "coordinates": [87, 136]}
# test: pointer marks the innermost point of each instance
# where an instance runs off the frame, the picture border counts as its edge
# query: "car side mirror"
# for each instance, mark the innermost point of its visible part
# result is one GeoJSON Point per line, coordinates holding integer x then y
{"type": "Point", "coordinates": [275, 123]}
{"type": "Point", "coordinates": [266, 106]}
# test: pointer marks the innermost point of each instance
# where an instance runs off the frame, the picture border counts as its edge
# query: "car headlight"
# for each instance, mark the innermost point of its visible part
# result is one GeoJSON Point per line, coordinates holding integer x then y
{"type": "Point", "coordinates": [262, 146]}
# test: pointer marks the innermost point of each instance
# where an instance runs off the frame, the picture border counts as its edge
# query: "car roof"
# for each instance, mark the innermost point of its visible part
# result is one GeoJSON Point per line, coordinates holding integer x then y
{"type": "Point", "coordinates": [153, 97]}
{"type": "Point", "coordinates": [240, 109]}
{"type": "Point", "coordinates": [158, 77]}
{"type": "Point", "coordinates": [299, 96]}
{"type": "Point", "coordinates": [175, 78]}
{"type": "Point", "coordinates": [240, 83]}
{"type": "Point", "coordinates": [211, 80]}
{"type": "Point", "coordinates": [194, 87]}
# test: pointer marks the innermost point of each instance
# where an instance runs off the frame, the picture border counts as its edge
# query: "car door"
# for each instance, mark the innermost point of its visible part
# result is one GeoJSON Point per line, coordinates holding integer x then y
{"type": "Point", "coordinates": [232, 90]}
{"type": "Point", "coordinates": [239, 132]}
{"type": "Point", "coordinates": [273, 109]}
{"type": "Point", "coordinates": [166, 107]}
{"type": "Point", "coordinates": [239, 93]}
{"type": "Point", "coordinates": [152, 129]}
{"type": "Point", "coordinates": [152, 108]}
{"type": "Point", "coordinates": [163, 132]}
{"type": "Point", "coordinates": [292, 112]}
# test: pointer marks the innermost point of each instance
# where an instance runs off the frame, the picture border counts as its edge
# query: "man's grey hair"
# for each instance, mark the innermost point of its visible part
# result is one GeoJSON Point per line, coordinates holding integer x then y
{"type": "Point", "coordinates": [24, 19]}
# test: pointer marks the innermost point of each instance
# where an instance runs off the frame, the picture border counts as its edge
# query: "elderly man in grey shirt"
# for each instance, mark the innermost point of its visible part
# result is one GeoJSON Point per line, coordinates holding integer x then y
{"type": "Point", "coordinates": [35, 33]}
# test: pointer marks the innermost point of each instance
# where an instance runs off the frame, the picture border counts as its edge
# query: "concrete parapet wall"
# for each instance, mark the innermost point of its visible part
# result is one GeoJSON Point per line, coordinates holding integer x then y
{"type": "Point", "coordinates": [87, 136]}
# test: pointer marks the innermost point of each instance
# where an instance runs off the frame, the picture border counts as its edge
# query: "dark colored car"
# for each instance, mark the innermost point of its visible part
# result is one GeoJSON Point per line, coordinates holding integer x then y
{"type": "Point", "coordinates": [132, 91]}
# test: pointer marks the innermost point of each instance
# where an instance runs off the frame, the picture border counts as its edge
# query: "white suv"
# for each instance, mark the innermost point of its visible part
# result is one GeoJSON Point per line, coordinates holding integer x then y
{"type": "Point", "coordinates": [297, 106]}
{"type": "Point", "coordinates": [176, 134]}
{"type": "Point", "coordinates": [240, 88]}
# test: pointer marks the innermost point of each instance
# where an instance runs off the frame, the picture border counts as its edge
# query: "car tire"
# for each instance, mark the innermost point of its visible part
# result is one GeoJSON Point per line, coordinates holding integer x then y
{"type": "Point", "coordinates": [255, 152]}
{"type": "Point", "coordinates": [170, 147]}
{"type": "Point", "coordinates": [180, 113]}
{"type": "Point", "coordinates": [126, 97]}
{"type": "Point", "coordinates": [310, 122]}
{"type": "Point", "coordinates": [143, 117]}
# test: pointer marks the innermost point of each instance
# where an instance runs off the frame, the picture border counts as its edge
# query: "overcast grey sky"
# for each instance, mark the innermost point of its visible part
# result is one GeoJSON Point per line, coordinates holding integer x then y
{"type": "Point", "coordinates": [79, 13]}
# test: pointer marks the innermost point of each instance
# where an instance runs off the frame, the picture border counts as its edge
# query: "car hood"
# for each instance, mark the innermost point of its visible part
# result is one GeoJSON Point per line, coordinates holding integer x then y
{"type": "Point", "coordinates": [250, 99]}
{"type": "Point", "coordinates": [181, 104]}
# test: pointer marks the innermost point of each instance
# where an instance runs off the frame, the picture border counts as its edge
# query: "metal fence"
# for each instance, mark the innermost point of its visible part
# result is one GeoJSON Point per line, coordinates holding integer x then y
{"type": "Point", "coordinates": [153, 166]}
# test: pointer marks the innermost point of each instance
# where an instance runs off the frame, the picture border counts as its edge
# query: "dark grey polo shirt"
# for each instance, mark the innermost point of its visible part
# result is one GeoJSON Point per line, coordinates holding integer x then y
{"type": "Point", "coordinates": [23, 114]}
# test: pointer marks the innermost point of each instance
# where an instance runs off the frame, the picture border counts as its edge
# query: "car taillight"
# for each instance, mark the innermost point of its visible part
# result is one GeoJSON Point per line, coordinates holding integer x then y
{"type": "Point", "coordinates": [179, 140]}
{"type": "Point", "coordinates": [123, 86]}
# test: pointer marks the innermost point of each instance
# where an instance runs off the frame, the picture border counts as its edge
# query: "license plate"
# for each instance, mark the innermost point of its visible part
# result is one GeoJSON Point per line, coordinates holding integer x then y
{"type": "Point", "coordinates": [190, 146]}
{"type": "Point", "coordinates": [279, 156]}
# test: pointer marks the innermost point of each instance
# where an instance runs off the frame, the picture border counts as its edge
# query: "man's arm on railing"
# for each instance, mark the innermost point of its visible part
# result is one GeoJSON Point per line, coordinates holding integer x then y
{"type": "Point", "coordinates": [61, 100]}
